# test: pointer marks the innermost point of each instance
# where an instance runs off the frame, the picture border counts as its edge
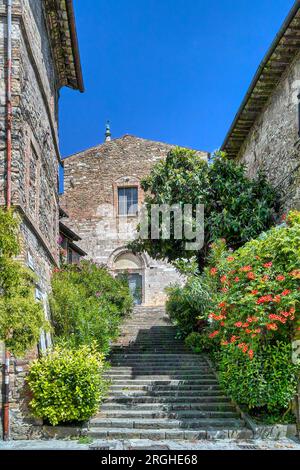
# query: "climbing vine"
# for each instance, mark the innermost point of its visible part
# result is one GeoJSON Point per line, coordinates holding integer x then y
{"type": "Point", "coordinates": [21, 318]}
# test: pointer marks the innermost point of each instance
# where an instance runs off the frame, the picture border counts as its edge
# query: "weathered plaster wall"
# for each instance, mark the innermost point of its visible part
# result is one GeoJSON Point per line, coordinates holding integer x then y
{"type": "Point", "coordinates": [273, 143]}
{"type": "Point", "coordinates": [91, 181]}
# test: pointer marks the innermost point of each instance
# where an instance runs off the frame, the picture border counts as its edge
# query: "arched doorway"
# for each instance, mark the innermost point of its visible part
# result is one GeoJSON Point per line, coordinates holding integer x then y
{"type": "Point", "coordinates": [132, 267]}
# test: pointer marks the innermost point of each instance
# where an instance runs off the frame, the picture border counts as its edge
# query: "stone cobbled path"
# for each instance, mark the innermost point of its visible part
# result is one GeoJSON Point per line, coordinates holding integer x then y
{"type": "Point", "coordinates": [160, 390]}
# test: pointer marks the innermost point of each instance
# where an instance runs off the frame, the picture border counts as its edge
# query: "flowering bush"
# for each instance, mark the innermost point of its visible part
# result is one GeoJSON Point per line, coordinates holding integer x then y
{"type": "Point", "coordinates": [257, 290]}
{"type": "Point", "coordinates": [252, 316]}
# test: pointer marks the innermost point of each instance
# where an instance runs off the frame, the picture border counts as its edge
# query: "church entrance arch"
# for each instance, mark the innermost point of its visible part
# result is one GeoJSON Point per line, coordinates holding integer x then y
{"type": "Point", "coordinates": [127, 264]}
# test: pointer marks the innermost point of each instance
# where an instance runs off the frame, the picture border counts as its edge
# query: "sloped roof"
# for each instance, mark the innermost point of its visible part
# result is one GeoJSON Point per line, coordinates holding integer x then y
{"type": "Point", "coordinates": [62, 28]}
{"type": "Point", "coordinates": [126, 138]}
{"type": "Point", "coordinates": [281, 54]}
{"type": "Point", "coordinates": [68, 232]}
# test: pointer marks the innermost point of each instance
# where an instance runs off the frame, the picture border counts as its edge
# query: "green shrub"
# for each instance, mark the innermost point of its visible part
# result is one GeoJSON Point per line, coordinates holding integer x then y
{"type": "Point", "coordinates": [268, 381]}
{"type": "Point", "coordinates": [67, 385]}
{"type": "Point", "coordinates": [21, 317]}
{"type": "Point", "coordinates": [21, 322]}
{"type": "Point", "coordinates": [198, 342]}
{"type": "Point", "coordinates": [87, 304]}
{"type": "Point", "coordinates": [186, 305]}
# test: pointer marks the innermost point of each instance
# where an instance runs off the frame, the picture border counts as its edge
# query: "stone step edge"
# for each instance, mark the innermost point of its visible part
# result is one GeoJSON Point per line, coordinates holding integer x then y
{"type": "Point", "coordinates": [195, 434]}
{"type": "Point", "coordinates": [174, 407]}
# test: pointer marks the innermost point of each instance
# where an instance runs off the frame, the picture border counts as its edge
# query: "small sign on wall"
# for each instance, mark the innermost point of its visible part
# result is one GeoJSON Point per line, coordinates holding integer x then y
{"type": "Point", "coordinates": [45, 338]}
{"type": "Point", "coordinates": [296, 352]}
{"type": "Point", "coordinates": [30, 261]}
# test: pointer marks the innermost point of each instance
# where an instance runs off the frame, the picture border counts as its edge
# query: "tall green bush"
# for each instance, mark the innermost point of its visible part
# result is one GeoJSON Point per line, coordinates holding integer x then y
{"type": "Point", "coordinates": [87, 304]}
{"type": "Point", "coordinates": [21, 317]}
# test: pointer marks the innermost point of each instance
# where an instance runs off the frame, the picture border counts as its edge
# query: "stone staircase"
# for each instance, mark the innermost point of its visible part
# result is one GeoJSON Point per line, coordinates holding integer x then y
{"type": "Point", "coordinates": [160, 390]}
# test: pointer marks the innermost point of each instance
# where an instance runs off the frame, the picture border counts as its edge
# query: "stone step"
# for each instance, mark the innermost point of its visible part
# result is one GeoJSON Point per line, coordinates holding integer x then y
{"type": "Point", "coordinates": [133, 332]}
{"type": "Point", "coordinates": [152, 344]}
{"type": "Point", "coordinates": [175, 380]}
{"type": "Point", "coordinates": [161, 423]}
{"type": "Point", "coordinates": [156, 356]}
{"type": "Point", "coordinates": [171, 434]}
{"type": "Point", "coordinates": [192, 390]}
{"type": "Point", "coordinates": [138, 346]}
{"type": "Point", "coordinates": [170, 396]}
{"type": "Point", "coordinates": [162, 383]}
{"type": "Point", "coordinates": [171, 414]}
{"type": "Point", "coordinates": [172, 376]}
{"type": "Point", "coordinates": [160, 367]}
{"type": "Point", "coordinates": [132, 340]}
{"type": "Point", "coordinates": [211, 397]}
{"type": "Point", "coordinates": [155, 361]}
{"type": "Point", "coordinates": [149, 373]}
{"type": "Point", "coordinates": [180, 406]}
{"type": "Point", "coordinates": [148, 350]}
{"type": "Point", "coordinates": [150, 333]}
{"type": "Point", "coordinates": [150, 368]}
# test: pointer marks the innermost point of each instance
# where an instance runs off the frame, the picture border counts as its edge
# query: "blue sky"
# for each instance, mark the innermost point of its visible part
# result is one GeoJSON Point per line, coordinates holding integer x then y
{"type": "Point", "coordinates": [167, 70]}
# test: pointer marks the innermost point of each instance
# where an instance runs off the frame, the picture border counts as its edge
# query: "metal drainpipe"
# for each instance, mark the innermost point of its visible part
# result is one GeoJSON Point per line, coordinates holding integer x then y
{"type": "Point", "coordinates": [9, 103]}
{"type": "Point", "coordinates": [8, 193]}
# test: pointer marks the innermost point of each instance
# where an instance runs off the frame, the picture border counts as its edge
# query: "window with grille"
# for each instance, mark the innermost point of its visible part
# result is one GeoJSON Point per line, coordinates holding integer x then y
{"type": "Point", "coordinates": [128, 201]}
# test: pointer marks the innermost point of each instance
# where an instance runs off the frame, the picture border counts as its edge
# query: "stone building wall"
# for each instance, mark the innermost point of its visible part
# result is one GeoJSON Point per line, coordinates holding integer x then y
{"type": "Point", "coordinates": [91, 183]}
{"type": "Point", "coordinates": [35, 160]}
{"type": "Point", "coordinates": [273, 143]}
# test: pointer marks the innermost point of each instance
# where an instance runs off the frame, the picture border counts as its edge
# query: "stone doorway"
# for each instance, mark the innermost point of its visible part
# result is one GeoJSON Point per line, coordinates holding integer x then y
{"type": "Point", "coordinates": [131, 267]}
{"type": "Point", "coordinates": [135, 282]}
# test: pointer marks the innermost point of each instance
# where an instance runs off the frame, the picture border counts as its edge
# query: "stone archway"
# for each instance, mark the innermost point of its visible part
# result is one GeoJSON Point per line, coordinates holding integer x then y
{"type": "Point", "coordinates": [125, 263]}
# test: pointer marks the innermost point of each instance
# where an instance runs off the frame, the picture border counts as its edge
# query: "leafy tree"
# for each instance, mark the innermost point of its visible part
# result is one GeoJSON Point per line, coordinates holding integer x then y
{"type": "Point", "coordinates": [21, 318]}
{"type": "Point", "coordinates": [236, 208]}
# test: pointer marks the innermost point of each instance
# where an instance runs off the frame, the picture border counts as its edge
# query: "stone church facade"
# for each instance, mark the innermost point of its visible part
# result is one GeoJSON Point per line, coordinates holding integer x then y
{"type": "Point", "coordinates": [45, 58]}
{"type": "Point", "coordinates": [103, 198]}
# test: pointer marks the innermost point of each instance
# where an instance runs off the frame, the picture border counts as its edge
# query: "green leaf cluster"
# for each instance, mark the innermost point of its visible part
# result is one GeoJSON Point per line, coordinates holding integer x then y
{"type": "Point", "coordinates": [198, 343]}
{"type": "Point", "coordinates": [67, 384]}
{"type": "Point", "coordinates": [88, 304]}
{"type": "Point", "coordinates": [236, 207]}
{"type": "Point", "coordinates": [268, 381]}
{"type": "Point", "coordinates": [186, 305]}
{"type": "Point", "coordinates": [21, 317]}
